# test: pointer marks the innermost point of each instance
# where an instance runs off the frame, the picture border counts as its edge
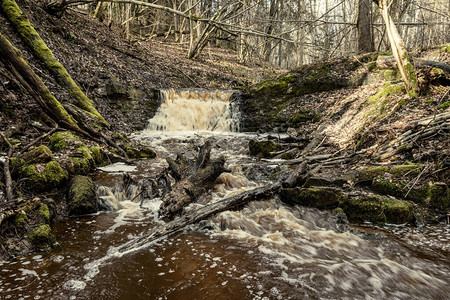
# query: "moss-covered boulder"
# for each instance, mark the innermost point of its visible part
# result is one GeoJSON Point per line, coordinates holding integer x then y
{"type": "Point", "coordinates": [80, 162]}
{"type": "Point", "coordinates": [440, 196]}
{"type": "Point", "coordinates": [41, 154]}
{"type": "Point", "coordinates": [81, 197]}
{"type": "Point", "coordinates": [99, 156]}
{"type": "Point", "coordinates": [318, 197]}
{"type": "Point", "coordinates": [378, 209]}
{"type": "Point", "coordinates": [20, 220]}
{"type": "Point", "coordinates": [44, 177]}
{"type": "Point", "coordinates": [368, 174]}
{"type": "Point", "coordinates": [263, 149]}
{"type": "Point", "coordinates": [139, 152]}
{"type": "Point", "coordinates": [61, 140]}
{"type": "Point", "coordinates": [42, 237]}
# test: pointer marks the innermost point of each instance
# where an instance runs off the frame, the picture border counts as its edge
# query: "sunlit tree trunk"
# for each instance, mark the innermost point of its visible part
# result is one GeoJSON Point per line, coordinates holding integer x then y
{"type": "Point", "coordinates": [399, 51]}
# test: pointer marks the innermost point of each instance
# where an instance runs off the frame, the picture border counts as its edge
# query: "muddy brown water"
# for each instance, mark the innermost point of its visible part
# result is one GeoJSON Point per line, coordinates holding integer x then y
{"type": "Point", "coordinates": [266, 250]}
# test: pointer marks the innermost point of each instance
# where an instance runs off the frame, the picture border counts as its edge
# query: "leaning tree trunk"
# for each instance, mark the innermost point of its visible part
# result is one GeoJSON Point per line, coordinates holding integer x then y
{"type": "Point", "coordinates": [33, 84]}
{"type": "Point", "coordinates": [32, 39]}
{"type": "Point", "coordinates": [193, 179]}
{"type": "Point", "coordinates": [399, 51]}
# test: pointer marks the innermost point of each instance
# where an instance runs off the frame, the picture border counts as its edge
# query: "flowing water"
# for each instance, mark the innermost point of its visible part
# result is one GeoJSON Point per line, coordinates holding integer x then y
{"type": "Point", "coordinates": [266, 250]}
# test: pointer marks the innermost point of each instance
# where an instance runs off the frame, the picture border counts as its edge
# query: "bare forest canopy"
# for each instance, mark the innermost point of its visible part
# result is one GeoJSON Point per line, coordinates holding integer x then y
{"type": "Point", "coordinates": [287, 33]}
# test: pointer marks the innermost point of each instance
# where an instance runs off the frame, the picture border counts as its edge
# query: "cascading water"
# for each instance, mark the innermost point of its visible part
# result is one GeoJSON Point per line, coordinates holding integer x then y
{"type": "Point", "coordinates": [196, 110]}
{"type": "Point", "coordinates": [263, 251]}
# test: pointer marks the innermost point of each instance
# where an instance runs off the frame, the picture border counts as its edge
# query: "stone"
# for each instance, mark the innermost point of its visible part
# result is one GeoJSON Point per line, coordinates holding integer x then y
{"type": "Point", "coordinates": [263, 149]}
{"type": "Point", "coordinates": [318, 197]}
{"type": "Point", "coordinates": [81, 196]}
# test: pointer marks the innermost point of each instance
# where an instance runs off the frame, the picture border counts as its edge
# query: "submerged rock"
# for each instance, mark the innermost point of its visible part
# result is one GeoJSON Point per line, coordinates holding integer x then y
{"type": "Point", "coordinates": [81, 196]}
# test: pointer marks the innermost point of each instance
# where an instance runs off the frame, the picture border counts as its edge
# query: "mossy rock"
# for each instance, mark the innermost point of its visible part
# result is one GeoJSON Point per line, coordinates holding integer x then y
{"type": "Point", "coordinates": [44, 212]}
{"type": "Point", "coordinates": [42, 237]}
{"type": "Point", "coordinates": [440, 196]}
{"type": "Point", "coordinates": [318, 197]}
{"type": "Point", "coordinates": [263, 148]}
{"type": "Point", "coordinates": [99, 156]}
{"type": "Point", "coordinates": [81, 196]}
{"type": "Point", "coordinates": [387, 187]}
{"type": "Point", "coordinates": [41, 154]}
{"type": "Point", "coordinates": [20, 220]}
{"type": "Point", "coordinates": [303, 116]}
{"type": "Point", "coordinates": [50, 177]}
{"type": "Point", "coordinates": [61, 140]}
{"type": "Point", "coordinates": [368, 174]}
{"type": "Point", "coordinates": [137, 153]}
{"type": "Point", "coordinates": [444, 105]}
{"type": "Point", "coordinates": [378, 209]}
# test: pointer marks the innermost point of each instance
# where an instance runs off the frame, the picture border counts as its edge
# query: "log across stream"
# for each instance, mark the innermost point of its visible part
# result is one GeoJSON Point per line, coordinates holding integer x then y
{"type": "Point", "coordinates": [263, 250]}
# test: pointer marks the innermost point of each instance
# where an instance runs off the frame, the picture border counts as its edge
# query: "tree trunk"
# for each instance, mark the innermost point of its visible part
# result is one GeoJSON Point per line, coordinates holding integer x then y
{"type": "Point", "coordinates": [32, 39]}
{"type": "Point", "coordinates": [365, 37]}
{"type": "Point", "coordinates": [193, 179]}
{"type": "Point", "coordinates": [34, 85]}
{"type": "Point", "coordinates": [401, 56]}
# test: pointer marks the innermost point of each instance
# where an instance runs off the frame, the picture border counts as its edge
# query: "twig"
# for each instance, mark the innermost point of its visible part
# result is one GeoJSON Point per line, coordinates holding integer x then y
{"type": "Point", "coordinates": [416, 180]}
{"type": "Point", "coordinates": [38, 139]}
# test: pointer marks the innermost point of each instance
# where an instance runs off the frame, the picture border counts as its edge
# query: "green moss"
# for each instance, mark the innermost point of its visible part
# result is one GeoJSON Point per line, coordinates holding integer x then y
{"type": "Point", "coordinates": [386, 53]}
{"type": "Point", "coordinates": [52, 176]}
{"type": "Point", "coordinates": [378, 210]}
{"type": "Point", "coordinates": [263, 148]}
{"type": "Point", "coordinates": [44, 212]}
{"type": "Point", "coordinates": [440, 196]}
{"type": "Point", "coordinates": [385, 92]}
{"type": "Point", "coordinates": [406, 169]}
{"type": "Point", "coordinates": [444, 105]}
{"type": "Point", "coordinates": [81, 196]}
{"type": "Point", "coordinates": [368, 174]}
{"type": "Point", "coordinates": [39, 154]}
{"type": "Point", "coordinates": [391, 75]}
{"type": "Point", "coordinates": [419, 195]}
{"type": "Point", "coordinates": [318, 197]}
{"type": "Point", "coordinates": [20, 220]}
{"type": "Point", "coordinates": [387, 187]}
{"type": "Point", "coordinates": [60, 140]}
{"type": "Point", "coordinates": [99, 156]}
{"type": "Point", "coordinates": [402, 102]}
{"type": "Point", "coordinates": [40, 49]}
{"type": "Point", "coordinates": [146, 152]}
{"type": "Point", "coordinates": [42, 236]}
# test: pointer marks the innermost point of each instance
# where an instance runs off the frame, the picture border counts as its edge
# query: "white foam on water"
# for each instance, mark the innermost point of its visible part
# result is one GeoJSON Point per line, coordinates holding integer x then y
{"type": "Point", "coordinates": [74, 285]}
{"type": "Point", "coordinates": [118, 168]}
{"type": "Point", "coordinates": [28, 272]}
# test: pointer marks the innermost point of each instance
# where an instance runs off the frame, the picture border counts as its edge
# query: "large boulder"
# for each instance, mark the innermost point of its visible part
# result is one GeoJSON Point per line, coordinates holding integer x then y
{"type": "Point", "coordinates": [81, 196]}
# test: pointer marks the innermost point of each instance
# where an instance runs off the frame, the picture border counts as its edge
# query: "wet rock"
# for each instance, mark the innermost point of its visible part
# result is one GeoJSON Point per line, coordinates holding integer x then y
{"type": "Point", "coordinates": [99, 156]}
{"type": "Point", "coordinates": [263, 149]}
{"type": "Point", "coordinates": [42, 237]}
{"type": "Point", "coordinates": [318, 197]}
{"type": "Point", "coordinates": [81, 196]}
{"type": "Point", "coordinates": [378, 209]}
{"type": "Point", "coordinates": [139, 152]}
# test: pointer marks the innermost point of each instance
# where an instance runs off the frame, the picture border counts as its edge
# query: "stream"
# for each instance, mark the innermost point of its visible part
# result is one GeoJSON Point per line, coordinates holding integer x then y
{"type": "Point", "coordinates": [266, 250]}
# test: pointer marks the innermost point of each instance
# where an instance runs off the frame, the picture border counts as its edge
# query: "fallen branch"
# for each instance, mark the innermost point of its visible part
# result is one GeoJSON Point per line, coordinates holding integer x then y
{"type": "Point", "coordinates": [6, 171]}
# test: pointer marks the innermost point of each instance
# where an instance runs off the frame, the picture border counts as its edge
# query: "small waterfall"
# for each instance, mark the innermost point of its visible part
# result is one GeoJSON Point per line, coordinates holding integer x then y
{"type": "Point", "coordinates": [192, 110]}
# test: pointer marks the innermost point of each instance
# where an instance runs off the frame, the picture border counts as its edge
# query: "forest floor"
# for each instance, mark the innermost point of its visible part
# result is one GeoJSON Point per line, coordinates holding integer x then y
{"type": "Point", "coordinates": [123, 78]}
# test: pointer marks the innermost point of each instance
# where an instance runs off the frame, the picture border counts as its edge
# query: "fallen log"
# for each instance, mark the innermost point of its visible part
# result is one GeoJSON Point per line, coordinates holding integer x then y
{"type": "Point", "coordinates": [193, 179]}
{"type": "Point", "coordinates": [198, 215]}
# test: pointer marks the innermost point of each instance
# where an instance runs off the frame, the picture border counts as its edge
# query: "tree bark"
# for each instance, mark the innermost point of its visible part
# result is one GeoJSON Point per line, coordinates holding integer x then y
{"type": "Point", "coordinates": [33, 84]}
{"type": "Point", "coordinates": [365, 36]}
{"type": "Point", "coordinates": [194, 178]}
